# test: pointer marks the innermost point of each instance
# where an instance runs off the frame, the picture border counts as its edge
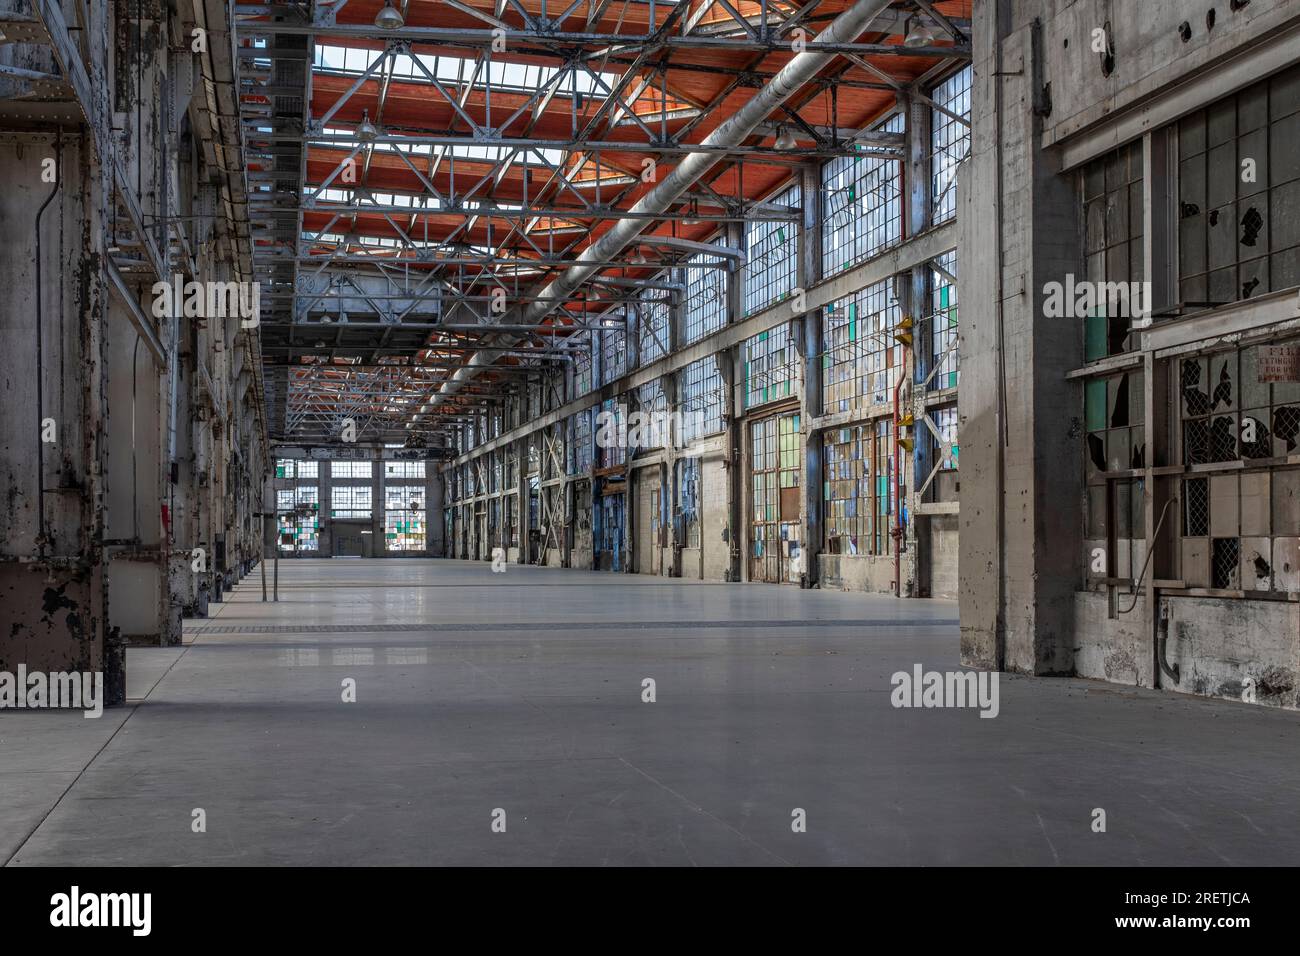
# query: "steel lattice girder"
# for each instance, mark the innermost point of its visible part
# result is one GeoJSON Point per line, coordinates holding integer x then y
{"type": "Point", "coordinates": [648, 53]}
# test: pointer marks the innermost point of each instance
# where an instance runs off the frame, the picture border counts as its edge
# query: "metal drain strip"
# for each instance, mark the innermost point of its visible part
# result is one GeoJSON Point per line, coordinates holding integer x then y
{"type": "Point", "coordinates": [556, 626]}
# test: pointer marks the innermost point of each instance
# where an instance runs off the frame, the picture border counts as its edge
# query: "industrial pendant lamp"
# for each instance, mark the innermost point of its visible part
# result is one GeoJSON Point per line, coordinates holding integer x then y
{"type": "Point", "coordinates": [785, 139]}
{"type": "Point", "coordinates": [389, 18]}
{"type": "Point", "coordinates": [920, 32]}
{"type": "Point", "coordinates": [366, 131]}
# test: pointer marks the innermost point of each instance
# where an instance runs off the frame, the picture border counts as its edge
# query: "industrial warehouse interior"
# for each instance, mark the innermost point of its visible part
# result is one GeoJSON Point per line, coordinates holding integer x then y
{"type": "Point", "coordinates": [590, 433]}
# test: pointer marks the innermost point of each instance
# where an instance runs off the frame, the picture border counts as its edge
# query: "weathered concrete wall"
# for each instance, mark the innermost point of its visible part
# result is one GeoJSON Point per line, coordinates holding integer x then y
{"type": "Point", "coordinates": [1149, 52]}
{"type": "Point", "coordinates": [943, 552]}
{"type": "Point", "coordinates": [715, 532]}
{"type": "Point", "coordinates": [52, 589]}
{"type": "Point", "coordinates": [1221, 644]}
{"type": "Point", "coordinates": [846, 572]}
{"type": "Point", "coordinates": [1114, 649]}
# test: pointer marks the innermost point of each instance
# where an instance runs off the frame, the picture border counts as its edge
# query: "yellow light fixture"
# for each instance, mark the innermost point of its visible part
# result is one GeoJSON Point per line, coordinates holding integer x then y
{"type": "Point", "coordinates": [903, 332]}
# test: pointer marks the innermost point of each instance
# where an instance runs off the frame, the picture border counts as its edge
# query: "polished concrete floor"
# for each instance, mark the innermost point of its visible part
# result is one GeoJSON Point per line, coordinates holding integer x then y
{"type": "Point", "coordinates": [522, 692]}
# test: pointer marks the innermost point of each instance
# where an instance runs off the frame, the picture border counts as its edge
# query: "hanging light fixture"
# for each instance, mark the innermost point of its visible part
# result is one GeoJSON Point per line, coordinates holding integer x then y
{"type": "Point", "coordinates": [920, 32]}
{"type": "Point", "coordinates": [366, 131]}
{"type": "Point", "coordinates": [389, 18]}
{"type": "Point", "coordinates": [785, 138]}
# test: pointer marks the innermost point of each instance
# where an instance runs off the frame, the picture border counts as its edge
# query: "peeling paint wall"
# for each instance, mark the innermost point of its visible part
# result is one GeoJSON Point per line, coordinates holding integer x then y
{"type": "Point", "coordinates": [124, 503]}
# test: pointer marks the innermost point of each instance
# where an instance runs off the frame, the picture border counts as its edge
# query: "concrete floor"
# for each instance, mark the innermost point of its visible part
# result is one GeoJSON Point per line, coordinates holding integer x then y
{"type": "Point", "coordinates": [522, 691]}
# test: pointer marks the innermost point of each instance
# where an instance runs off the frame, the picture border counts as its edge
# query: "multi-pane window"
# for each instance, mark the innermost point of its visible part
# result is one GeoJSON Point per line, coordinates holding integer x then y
{"type": "Point", "coordinates": [611, 425]}
{"type": "Point", "coordinates": [494, 522]}
{"type": "Point", "coordinates": [653, 315]}
{"type": "Point", "coordinates": [688, 496]}
{"type": "Point", "coordinates": [1239, 194]}
{"type": "Point", "coordinates": [1236, 407]}
{"type": "Point", "coordinates": [298, 518]}
{"type": "Point", "coordinates": [771, 366]}
{"type": "Point", "coordinates": [403, 469]}
{"type": "Point", "coordinates": [861, 360]}
{"type": "Point", "coordinates": [582, 378]}
{"type": "Point", "coordinates": [1239, 422]}
{"type": "Point", "coordinates": [776, 507]}
{"type": "Point", "coordinates": [772, 247]}
{"type": "Point", "coordinates": [613, 354]}
{"type": "Point", "coordinates": [1112, 245]}
{"type": "Point", "coordinates": [404, 523]}
{"type": "Point", "coordinates": [652, 403]}
{"type": "Point", "coordinates": [704, 399]}
{"type": "Point", "coordinates": [350, 501]}
{"type": "Point", "coordinates": [943, 322]}
{"type": "Point", "coordinates": [945, 446]}
{"type": "Point", "coordinates": [949, 141]}
{"type": "Point", "coordinates": [1115, 441]}
{"type": "Point", "coordinates": [580, 442]}
{"type": "Point", "coordinates": [704, 307]}
{"type": "Point", "coordinates": [863, 198]}
{"type": "Point", "coordinates": [351, 469]}
{"type": "Point", "coordinates": [1241, 530]}
{"type": "Point", "coordinates": [295, 468]}
{"type": "Point", "coordinates": [1113, 419]}
{"type": "Point", "coordinates": [857, 488]}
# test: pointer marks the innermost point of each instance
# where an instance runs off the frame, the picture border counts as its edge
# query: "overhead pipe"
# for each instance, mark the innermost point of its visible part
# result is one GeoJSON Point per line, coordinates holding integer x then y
{"type": "Point", "coordinates": [845, 28]}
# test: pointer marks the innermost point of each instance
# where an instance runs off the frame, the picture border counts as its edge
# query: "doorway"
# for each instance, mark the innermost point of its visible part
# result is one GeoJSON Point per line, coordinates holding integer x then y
{"type": "Point", "coordinates": [774, 532]}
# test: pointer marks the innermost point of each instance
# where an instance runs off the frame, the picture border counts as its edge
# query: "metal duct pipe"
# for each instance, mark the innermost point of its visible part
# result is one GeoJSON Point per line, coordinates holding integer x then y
{"type": "Point", "coordinates": [847, 27]}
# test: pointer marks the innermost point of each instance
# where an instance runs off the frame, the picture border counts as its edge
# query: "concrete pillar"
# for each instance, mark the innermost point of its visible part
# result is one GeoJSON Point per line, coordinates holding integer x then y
{"type": "Point", "coordinates": [810, 399]}
{"type": "Point", "coordinates": [435, 543]}
{"type": "Point", "coordinates": [378, 543]}
{"type": "Point", "coordinates": [1020, 533]}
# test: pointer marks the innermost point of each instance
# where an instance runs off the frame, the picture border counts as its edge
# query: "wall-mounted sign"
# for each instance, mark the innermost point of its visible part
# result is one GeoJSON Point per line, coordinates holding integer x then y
{"type": "Point", "coordinates": [1279, 363]}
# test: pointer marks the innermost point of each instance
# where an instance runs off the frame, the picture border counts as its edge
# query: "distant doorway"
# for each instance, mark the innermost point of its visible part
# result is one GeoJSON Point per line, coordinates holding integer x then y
{"type": "Point", "coordinates": [774, 499]}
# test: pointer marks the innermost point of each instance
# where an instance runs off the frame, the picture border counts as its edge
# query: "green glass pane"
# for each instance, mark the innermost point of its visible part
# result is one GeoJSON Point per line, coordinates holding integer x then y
{"type": "Point", "coordinates": [943, 297]}
{"type": "Point", "coordinates": [1095, 405]}
{"type": "Point", "coordinates": [1094, 337]}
